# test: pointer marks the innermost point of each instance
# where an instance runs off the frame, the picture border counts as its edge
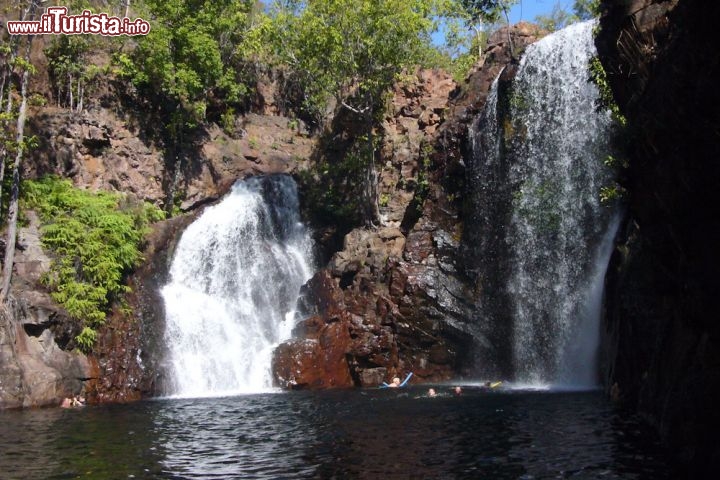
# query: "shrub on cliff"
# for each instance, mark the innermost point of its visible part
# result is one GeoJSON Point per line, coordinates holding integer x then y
{"type": "Point", "coordinates": [96, 239]}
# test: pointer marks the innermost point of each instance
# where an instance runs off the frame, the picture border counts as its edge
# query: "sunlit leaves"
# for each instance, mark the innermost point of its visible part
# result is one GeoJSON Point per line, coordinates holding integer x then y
{"type": "Point", "coordinates": [95, 239]}
{"type": "Point", "coordinates": [190, 52]}
{"type": "Point", "coordinates": [343, 49]}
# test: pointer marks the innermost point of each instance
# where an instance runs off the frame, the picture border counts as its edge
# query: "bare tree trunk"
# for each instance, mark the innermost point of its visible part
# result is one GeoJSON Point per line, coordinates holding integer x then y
{"type": "Point", "coordinates": [371, 182]}
{"type": "Point", "coordinates": [7, 68]}
{"type": "Point", "coordinates": [81, 92]}
{"type": "Point", "coordinates": [7, 74]}
{"type": "Point", "coordinates": [3, 150]}
{"type": "Point", "coordinates": [70, 91]}
{"type": "Point", "coordinates": [511, 46]}
{"type": "Point", "coordinates": [2, 85]}
{"type": "Point", "coordinates": [370, 201]}
{"type": "Point", "coordinates": [15, 192]}
{"type": "Point", "coordinates": [127, 7]}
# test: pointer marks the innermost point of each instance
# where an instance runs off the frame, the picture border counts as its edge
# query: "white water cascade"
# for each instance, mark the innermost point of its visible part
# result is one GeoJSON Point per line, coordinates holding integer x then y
{"type": "Point", "coordinates": [235, 279]}
{"type": "Point", "coordinates": [543, 143]}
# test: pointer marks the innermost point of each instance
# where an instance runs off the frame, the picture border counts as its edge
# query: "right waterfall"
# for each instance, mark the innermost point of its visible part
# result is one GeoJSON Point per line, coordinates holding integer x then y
{"type": "Point", "coordinates": [539, 239]}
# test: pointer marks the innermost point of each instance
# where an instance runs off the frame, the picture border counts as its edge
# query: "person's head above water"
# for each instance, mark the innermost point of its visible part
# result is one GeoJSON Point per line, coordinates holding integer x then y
{"type": "Point", "coordinates": [431, 392]}
{"type": "Point", "coordinates": [458, 390]}
{"type": "Point", "coordinates": [395, 382]}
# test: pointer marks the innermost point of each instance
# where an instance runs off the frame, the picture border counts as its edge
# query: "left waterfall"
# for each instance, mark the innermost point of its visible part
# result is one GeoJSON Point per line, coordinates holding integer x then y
{"type": "Point", "coordinates": [234, 283]}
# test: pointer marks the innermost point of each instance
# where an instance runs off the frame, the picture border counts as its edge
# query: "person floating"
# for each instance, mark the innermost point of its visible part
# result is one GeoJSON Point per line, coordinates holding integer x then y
{"type": "Point", "coordinates": [396, 383]}
{"type": "Point", "coordinates": [432, 393]}
{"type": "Point", "coordinates": [75, 401]}
{"type": "Point", "coordinates": [491, 385]}
{"type": "Point", "coordinates": [458, 390]}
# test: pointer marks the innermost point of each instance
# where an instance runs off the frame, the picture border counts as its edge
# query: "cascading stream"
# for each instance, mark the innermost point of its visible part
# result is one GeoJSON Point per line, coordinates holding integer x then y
{"type": "Point", "coordinates": [235, 279]}
{"type": "Point", "coordinates": [538, 167]}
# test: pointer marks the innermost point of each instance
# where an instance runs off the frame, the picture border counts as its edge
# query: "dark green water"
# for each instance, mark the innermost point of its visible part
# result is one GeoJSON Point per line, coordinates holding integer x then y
{"type": "Point", "coordinates": [368, 434]}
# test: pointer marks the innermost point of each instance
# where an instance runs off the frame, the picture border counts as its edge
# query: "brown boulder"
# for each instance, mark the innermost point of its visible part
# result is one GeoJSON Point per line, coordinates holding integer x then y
{"type": "Point", "coordinates": [314, 363]}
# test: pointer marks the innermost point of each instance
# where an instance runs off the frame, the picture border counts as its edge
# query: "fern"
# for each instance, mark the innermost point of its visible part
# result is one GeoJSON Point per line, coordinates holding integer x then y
{"type": "Point", "coordinates": [95, 239]}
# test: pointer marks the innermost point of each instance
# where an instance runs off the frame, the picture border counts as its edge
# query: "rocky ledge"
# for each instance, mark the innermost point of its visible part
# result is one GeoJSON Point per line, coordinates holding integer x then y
{"type": "Point", "coordinates": [396, 297]}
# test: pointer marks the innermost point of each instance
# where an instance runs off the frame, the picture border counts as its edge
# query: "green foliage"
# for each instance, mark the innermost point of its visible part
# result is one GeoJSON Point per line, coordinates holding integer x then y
{"type": "Point", "coordinates": [66, 55]}
{"type": "Point", "coordinates": [227, 120]}
{"type": "Point", "coordinates": [557, 19]}
{"type": "Point", "coordinates": [95, 239]}
{"type": "Point", "coordinates": [611, 194]}
{"type": "Point", "coordinates": [334, 187]}
{"type": "Point", "coordinates": [538, 202]}
{"type": "Point", "coordinates": [616, 163]}
{"type": "Point", "coordinates": [69, 67]}
{"type": "Point", "coordinates": [606, 100]}
{"type": "Point", "coordinates": [349, 50]}
{"type": "Point", "coordinates": [586, 9]}
{"type": "Point", "coordinates": [488, 11]}
{"type": "Point", "coordinates": [86, 339]}
{"type": "Point", "coordinates": [37, 100]}
{"type": "Point", "coordinates": [189, 55]}
{"type": "Point", "coordinates": [423, 177]}
{"type": "Point", "coordinates": [462, 45]}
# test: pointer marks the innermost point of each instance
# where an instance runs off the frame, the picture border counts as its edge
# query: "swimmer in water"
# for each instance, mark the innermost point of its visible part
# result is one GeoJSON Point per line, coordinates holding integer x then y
{"type": "Point", "coordinates": [395, 383]}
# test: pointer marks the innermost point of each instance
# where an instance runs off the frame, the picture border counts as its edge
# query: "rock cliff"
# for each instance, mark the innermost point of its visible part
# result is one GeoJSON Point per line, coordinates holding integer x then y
{"type": "Point", "coordinates": [396, 298]}
{"type": "Point", "coordinates": [663, 337]}
{"type": "Point", "coordinates": [113, 145]}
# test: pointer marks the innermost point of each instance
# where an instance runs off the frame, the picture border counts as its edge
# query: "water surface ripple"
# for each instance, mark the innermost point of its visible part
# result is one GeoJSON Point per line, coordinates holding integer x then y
{"type": "Point", "coordinates": [364, 434]}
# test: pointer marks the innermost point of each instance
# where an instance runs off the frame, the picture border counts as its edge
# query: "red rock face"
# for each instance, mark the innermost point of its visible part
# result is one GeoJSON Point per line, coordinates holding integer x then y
{"type": "Point", "coordinates": [116, 373]}
{"type": "Point", "coordinates": [395, 299]}
{"type": "Point", "coordinates": [374, 328]}
{"type": "Point", "coordinates": [384, 305]}
{"type": "Point", "coordinates": [315, 363]}
{"type": "Point", "coordinates": [317, 357]}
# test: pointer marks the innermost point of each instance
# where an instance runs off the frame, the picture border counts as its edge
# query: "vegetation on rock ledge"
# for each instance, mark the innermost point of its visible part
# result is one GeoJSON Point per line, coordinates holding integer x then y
{"type": "Point", "coordinates": [96, 239]}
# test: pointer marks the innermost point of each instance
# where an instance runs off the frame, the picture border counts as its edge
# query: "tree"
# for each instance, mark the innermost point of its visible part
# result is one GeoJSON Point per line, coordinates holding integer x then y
{"type": "Point", "coordinates": [488, 11]}
{"type": "Point", "coordinates": [558, 18]}
{"type": "Point", "coordinates": [68, 68]}
{"type": "Point", "coordinates": [186, 62]}
{"type": "Point", "coordinates": [19, 145]}
{"type": "Point", "coordinates": [349, 52]}
{"type": "Point", "coordinates": [586, 9]}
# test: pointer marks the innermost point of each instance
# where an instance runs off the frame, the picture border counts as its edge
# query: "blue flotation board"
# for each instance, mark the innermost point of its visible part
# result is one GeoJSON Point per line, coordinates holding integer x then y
{"type": "Point", "coordinates": [404, 382]}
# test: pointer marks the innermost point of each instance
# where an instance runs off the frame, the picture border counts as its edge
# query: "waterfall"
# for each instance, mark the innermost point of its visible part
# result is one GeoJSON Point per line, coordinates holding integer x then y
{"type": "Point", "coordinates": [542, 240]}
{"type": "Point", "coordinates": [235, 279]}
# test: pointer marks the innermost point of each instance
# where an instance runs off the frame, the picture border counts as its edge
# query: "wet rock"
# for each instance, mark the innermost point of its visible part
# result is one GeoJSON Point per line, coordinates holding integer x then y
{"type": "Point", "coordinates": [373, 376]}
{"type": "Point", "coordinates": [34, 371]}
{"type": "Point", "coordinates": [314, 363]}
{"type": "Point", "coordinates": [662, 337]}
{"type": "Point", "coordinates": [399, 289]}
